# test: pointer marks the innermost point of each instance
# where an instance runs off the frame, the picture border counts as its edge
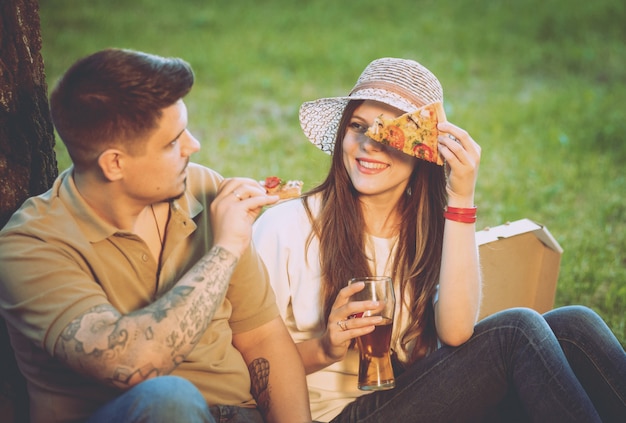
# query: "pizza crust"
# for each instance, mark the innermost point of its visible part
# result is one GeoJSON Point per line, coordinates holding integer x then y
{"type": "Point", "coordinates": [284, 189]}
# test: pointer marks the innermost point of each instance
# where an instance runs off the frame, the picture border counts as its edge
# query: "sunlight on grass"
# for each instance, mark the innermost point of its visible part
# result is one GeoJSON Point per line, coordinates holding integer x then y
{"type": "Point", "coordinates": [540, 85]}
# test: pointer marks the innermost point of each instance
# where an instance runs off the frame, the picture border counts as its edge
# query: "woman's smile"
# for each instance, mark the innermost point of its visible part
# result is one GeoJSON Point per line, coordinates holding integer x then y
{"type": "Point", "coordinates": [371, 166]}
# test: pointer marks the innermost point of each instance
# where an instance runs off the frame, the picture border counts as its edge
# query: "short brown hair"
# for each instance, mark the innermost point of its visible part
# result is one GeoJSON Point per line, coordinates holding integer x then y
{"type": "Point", "coordinates": [113, 98]}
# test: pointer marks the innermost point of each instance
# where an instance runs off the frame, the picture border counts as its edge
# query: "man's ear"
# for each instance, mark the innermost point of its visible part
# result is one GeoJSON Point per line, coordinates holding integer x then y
{"type": "Point", "coordinates": [111, 163]}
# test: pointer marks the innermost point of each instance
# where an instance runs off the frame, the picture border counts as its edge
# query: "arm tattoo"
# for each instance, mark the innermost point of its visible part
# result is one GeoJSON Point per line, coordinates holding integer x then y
{"type": "Point", "coordinates": [259, 370]}
{"type": "Point", "coordinates": [173, 325]}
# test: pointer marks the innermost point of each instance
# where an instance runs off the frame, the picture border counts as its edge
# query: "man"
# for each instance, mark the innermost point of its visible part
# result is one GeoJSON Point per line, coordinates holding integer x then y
{"type": "Point", "coordinates": [130, 289]}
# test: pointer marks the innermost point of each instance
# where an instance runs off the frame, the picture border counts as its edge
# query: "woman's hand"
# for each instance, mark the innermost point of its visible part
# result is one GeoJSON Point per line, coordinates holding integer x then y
{"type": "Point", "coordinates": [463, 158]}
{"type": "Point", "coordinates": [343, 323]}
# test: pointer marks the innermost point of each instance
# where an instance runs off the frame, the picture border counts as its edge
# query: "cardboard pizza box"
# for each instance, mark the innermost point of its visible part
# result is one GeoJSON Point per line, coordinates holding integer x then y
{"type": "Point", "coordinates": [520, 262]}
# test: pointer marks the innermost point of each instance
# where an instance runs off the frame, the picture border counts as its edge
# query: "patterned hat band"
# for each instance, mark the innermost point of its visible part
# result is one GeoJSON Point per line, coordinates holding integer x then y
{"type": "Point", "coordinates": [391, 87]}
{"type": "Point", "coordinates": [401, 83]}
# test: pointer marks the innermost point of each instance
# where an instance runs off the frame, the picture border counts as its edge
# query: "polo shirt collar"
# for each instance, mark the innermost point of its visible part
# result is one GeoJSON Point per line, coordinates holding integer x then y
{"type": "Point", "coordinates": [97, 229]}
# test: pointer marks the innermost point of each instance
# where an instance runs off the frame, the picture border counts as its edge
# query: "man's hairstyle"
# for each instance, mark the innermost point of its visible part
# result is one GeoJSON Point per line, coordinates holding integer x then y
{"type": "Point", "coordinates": [113, 98]}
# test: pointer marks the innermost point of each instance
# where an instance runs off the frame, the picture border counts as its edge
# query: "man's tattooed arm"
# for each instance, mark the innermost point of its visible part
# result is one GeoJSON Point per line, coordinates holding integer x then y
{"type": "Point", "coordinates": [277, 379]}
{"type": "Point", "coordinates": [259, 379]}
{"type": "Point", "coordinates": [123, 350]}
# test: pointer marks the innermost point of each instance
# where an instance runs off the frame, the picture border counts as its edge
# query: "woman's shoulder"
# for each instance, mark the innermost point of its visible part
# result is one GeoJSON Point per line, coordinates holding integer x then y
{"type": "Point", "coordinates": [288, 216]}
{"type": "Point", "coordinates": [294, 207]}
{"type": "Point", "coordinates": [285, 211]}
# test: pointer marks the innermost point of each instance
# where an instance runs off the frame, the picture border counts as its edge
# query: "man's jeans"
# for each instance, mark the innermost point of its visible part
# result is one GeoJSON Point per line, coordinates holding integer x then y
{"type": "Point", "coordinates": [169, 399]}
{"type": "Point", "coordinates": [514, 357]}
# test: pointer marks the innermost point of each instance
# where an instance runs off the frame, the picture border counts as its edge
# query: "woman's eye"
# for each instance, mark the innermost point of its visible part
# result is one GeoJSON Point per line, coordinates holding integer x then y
{"type": "Point", "coordinates": [358, 127]}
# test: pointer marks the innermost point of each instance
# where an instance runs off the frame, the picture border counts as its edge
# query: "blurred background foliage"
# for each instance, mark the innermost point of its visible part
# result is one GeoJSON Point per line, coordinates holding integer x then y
{"type": "Point", "coordinates": [541, 85]}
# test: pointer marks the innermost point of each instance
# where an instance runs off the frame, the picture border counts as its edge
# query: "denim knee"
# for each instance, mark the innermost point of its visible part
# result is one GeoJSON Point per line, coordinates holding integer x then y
{"type": "Point", "coordinates": [575, 316]}
{"type": "Point", "coordinates": [581, 326]}
{"type": "Point", "coordinates": [520, 317]}
{"type": "Point", "coordinates": [164, 389]}
{"type": "Point", "coordinates": [170, 398]}
{"type": "Point", "coordinates": [525, 322]}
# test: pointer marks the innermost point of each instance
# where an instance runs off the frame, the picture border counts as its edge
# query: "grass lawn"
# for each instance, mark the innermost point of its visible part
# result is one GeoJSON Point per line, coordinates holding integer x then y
{"type": "Point", "coordinates": [540, 85]}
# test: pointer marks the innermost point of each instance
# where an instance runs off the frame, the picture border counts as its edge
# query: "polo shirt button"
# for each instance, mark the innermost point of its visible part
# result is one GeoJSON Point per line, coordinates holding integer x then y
{"type": "Point", "coordinates": [144, 257]}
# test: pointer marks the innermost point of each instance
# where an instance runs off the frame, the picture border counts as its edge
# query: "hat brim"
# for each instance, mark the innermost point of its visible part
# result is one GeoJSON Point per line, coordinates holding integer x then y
{"type": "Point", "coordinates": [320, 119]}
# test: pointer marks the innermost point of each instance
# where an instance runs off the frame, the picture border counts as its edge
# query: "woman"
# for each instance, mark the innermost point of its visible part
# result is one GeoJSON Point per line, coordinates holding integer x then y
{"type": "Point", "coordinates": [381, 212]}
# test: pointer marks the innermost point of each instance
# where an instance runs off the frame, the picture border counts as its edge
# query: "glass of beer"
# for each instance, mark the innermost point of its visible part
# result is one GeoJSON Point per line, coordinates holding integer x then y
{"type": "Point", "coordinates": [375, 370]}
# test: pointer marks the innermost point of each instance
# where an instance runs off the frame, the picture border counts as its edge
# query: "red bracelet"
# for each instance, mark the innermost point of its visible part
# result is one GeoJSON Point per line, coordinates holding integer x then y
{"type": "Point", "coordinates": [463, 218]}
{"type": "Point", "coordinates": [460, 214]}
{"type": "Point", "coordinates": [462, 210]}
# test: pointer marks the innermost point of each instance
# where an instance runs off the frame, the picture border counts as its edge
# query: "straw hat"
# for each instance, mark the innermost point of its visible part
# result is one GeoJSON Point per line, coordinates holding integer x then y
{"type": "Point", "coordinates": [401, 83]}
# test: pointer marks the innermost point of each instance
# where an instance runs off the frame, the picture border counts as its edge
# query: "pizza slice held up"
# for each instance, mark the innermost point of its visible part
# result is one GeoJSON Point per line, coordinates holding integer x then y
{"type": "Point", "coordinates": [284, 189]}
{"type": "Point", "coordinates": [412, 133]}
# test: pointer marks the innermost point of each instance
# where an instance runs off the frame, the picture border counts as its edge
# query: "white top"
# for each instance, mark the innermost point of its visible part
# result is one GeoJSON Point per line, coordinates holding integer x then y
{"type": "Point", "coordinates": [280, 236]}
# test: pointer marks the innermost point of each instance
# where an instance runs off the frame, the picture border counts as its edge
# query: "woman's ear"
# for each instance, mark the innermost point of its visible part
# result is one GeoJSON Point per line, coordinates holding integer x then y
{"type": "Point", "coordinates": [111, 163]}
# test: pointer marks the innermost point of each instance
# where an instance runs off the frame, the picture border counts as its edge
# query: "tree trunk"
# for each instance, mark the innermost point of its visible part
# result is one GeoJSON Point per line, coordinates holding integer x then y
{"type": "Point", "coordinates": [27, 159]}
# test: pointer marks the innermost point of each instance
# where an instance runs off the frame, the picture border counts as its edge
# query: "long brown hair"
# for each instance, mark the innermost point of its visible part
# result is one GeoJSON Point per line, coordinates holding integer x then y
{"type": "Point", "coordinates": [339, 227]}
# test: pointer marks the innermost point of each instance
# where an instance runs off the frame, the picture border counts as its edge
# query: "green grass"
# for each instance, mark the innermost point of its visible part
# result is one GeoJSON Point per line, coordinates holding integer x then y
{"type": "Point", "coordinates": [540, 85]}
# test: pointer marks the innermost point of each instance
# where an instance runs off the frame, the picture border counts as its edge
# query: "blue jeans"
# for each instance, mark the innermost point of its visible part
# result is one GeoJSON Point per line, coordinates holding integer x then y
{"type": "Point", "coordinates": [168, 399]}
{"type": "Point", "coordinates": [161, 399]}
{"type": "Point", "coordinates": [566, 366]}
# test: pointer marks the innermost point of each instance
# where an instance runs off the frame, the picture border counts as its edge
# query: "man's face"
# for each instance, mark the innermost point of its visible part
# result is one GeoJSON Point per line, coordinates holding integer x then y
{"type": "Point", "coordinates": [159, 174]}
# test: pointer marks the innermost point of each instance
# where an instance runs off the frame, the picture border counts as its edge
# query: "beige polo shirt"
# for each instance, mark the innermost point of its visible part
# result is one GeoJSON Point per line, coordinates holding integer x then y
{"type": "Point", "coordinates": [58, 259]}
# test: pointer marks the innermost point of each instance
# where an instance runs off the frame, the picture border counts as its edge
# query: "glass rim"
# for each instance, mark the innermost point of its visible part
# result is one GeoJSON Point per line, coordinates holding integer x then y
{"type": "Point", "coordinates": [370, 279]}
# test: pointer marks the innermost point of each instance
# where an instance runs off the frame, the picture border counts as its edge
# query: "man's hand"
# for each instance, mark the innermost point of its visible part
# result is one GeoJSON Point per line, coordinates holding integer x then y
{"type": "Point", "coordinates": [238, 203]}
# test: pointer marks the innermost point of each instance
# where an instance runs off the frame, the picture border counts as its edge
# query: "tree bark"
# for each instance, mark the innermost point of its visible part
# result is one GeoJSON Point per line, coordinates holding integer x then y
{"type": "Point", "coordinates": [27, 160]}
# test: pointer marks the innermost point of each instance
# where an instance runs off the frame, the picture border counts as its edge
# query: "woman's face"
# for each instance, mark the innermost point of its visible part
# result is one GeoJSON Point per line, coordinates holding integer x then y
{"type": "Point", "coordinates": [375, 169]}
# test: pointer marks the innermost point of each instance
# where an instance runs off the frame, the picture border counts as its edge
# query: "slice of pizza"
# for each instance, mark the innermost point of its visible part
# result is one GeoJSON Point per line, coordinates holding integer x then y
{"type": "Point", "coordinates": [284, 189]}
{"type": "Point", "coordinates": [412, 133]}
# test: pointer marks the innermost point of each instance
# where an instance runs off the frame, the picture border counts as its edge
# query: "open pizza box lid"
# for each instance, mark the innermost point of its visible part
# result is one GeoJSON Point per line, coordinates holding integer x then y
{"type": "Point", "coordinates": [520, 263]}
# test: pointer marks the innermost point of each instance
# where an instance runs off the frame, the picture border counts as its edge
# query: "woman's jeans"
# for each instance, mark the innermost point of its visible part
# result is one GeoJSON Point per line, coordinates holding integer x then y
{"type": "Point", "coordinates": [565, 366]}
{"type": "Point", "coordinates": [169, 399]}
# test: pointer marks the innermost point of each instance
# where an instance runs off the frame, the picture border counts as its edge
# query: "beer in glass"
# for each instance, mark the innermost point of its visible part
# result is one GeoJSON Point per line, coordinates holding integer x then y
{"type": "Point", "coordinates": [375, 370]}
